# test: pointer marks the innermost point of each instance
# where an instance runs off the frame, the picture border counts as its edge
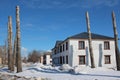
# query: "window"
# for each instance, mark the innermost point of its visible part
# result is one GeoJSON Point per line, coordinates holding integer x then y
{"type": "Point", "coordinates": [66, 45]}
{"type": "Point", "coordinates": [60, 48]}
{"type": "Point", "coordinates": [60, 59]}
{"type": "Point", "coordinates": [81, 45]}
{"type": "Point", "coordinates": [63, 60]}
{"type": "Point", "coordinates": [55, 51]}
{"type": "Point", "coordinates": [107, 59]}
{"type": "Point", "coordinates": [81, 59]}
{"type": "Point", "coordinates": [106, 45]}
{"type": "Point", "coordinates": [66, 59]}
{"type": "Point", "coordinates": [63, 47]}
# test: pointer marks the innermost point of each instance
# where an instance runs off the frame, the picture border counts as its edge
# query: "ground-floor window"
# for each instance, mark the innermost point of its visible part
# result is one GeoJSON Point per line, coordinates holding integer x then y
{"type": "Point", "coordinates": [67, 59]}
{"type": "Point", "coordinates": [81, 59]}
{"type": "Point", "coordinates": [60, 59]}
{"type": "Point", "coordinates": [63, 60]}
{"type": "Point", "coordinates": [107, 59]}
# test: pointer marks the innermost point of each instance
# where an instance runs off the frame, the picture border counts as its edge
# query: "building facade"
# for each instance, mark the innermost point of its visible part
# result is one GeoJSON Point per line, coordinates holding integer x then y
{"type": "Point", "coordinates": [75, 51]}
{"type": "Point", "coordinates": [46, 58]}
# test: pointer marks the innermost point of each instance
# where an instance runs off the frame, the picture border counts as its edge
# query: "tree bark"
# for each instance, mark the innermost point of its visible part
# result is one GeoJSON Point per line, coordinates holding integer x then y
{"type": "Point", "coordinates": [116, 42]}
{"type": "Point", "coordinates": [10, 57]}
{"type": "Point", "coordinates": [90, 41]}
{"type": "Point", "coordinates": [6, 52]}
{"type": "Point", "coordinates": [14, 52]}
{"type": "Point", "coordinates": [18, 46]}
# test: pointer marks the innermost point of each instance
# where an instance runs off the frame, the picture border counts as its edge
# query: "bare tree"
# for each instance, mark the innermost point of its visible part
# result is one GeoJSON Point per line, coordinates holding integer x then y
{"type": "Point", "coordinates": [0, 55]}
{"type": "Point", "coordinates": [24, 60]}
{"type": "Point", "coordinates": [116, 41]}
{"type": "Point", "coordinates": [10, 59]}
{"type": "Point", "coordinates": [5, 52]}
{"type": "Point", "coordinates": [18, 43]}
{"type": "Point", "coordinates": [90, 41]}
{"type": "Point", "coordinates": [34, 56]}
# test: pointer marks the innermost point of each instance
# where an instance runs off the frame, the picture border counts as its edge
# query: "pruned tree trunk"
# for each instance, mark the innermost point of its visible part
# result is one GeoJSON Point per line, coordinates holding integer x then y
{"type": "Point", "coordinates": [116, 41]}
{"type": "Point", "coordinates": [18, 46]}
{"type": "Point", "coordinates": [10, 56]}
{"type": "Point", "coordinates": [6, 58]}
{"type": "Point", "coordinates": [90, 41]}
{"type": "Point", "coordinates": [5, 53]}
{"type": "Point", "coordinates": [14, 52]}
{"type": "Point", "coordinates": [0, 55]}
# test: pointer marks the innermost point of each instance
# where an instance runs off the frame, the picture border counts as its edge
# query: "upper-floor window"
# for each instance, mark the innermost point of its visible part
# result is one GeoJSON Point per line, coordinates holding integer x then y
{"type": "Point", "coordinates": [66, 45]}
{"type": "Point", "coordinates": [63, 47]}
{"type": "Point", "coordinates": [60, 48]}
{"type": "Point", "coordinates": [106, 45]}
{"type": "Point", "coordinates": [81, 45]}
{"type": "Point", "coordinates": [55, 51]}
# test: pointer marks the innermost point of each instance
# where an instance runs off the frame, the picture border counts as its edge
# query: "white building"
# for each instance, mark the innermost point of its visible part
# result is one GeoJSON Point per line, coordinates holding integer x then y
{"type": "Point", "coordinates": [75, 51]}
{"type": "Point", "coordinates": [46, 58]}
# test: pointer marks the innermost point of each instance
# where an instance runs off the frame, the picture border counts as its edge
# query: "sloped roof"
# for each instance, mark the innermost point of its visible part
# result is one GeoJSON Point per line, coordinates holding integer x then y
{"type": "Point", "coordinates": [84, 35]}
{"type": "Point", "coordinates": [58, 42]}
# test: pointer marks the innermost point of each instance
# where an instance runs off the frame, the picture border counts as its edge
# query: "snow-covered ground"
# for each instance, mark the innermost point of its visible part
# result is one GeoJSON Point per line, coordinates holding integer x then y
{"type": "Point", "coordinates": [38, 71]}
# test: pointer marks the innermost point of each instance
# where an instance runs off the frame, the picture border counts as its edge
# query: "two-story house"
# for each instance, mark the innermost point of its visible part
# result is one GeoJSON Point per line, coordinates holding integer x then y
{"type": "Point", "coordinates": [74, 51]}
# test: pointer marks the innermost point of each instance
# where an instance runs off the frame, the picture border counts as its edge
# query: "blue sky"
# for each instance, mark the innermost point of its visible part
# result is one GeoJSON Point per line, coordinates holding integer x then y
{"type": "Point", "coordinates": [45, 21]}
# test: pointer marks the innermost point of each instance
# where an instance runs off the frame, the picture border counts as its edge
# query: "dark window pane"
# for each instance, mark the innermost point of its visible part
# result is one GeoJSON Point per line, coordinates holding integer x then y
{"type": "Point", "coordinates": [66, 45]}
{"type": "Point", "coordinates": [107, 59]}
{"type": "Point", "coordinates": [81, 59]}
{"type": "Point", "coordinates": [106, 45]}
{"type": "Point", "coordinates": [81, 45]}
{"type": "Point", "coordinates": [66, 59]}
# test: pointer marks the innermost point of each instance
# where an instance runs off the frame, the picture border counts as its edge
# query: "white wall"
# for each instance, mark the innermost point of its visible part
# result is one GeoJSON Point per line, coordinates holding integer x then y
{"type": "Point", "coordinates": [48, 59]}
{"type": "Point", "coordinates": [63, 53]}
{"type": "Point", "coordinates": [98, 51]}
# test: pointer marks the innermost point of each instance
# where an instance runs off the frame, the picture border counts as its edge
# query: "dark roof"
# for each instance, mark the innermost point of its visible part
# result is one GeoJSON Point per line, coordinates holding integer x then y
{"type": "Point", "coordinates": [84, 35]}
{"type": "Point", "coordinates": [58, 42]}
{"type": "Point", "coordinates": [48, 53]}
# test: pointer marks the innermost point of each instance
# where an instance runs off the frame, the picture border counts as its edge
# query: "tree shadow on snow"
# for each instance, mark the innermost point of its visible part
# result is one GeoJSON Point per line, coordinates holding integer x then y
{"type": "Point", "coordinates": [53, 71]}
{"type": "Point", "coordinates": [4, 70]}
{"type": "Point", "coordinates": [49, 70]}
{"type": "Point", "coordinates": [100, 75]}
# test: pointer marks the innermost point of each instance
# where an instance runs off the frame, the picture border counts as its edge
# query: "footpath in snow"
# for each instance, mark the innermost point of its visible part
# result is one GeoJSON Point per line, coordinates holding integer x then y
{"type": "Point", "coordinates": [38, 71]}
